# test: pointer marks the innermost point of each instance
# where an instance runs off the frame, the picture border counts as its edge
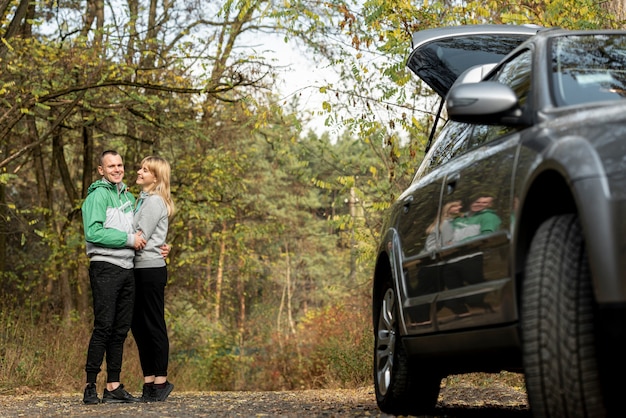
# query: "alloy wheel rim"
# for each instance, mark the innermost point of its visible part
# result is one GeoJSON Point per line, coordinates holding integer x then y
{"type": "Point", "coordinates": [385, 342]}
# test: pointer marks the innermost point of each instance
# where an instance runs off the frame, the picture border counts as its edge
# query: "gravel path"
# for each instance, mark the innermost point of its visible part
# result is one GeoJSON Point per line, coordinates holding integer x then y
{"type": "Point", "coordinates": [461, 402]}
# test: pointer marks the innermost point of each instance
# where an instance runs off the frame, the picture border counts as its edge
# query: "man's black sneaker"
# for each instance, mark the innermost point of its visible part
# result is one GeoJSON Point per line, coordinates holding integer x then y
{"type": "Point", "coordinates": [119, 395]}
{"type": "Point", "coordinates": [163, 392]}
{"type": "Point", "coordinates": [91, 395]}
{"type": "Point", "coordinates": [149, 393]}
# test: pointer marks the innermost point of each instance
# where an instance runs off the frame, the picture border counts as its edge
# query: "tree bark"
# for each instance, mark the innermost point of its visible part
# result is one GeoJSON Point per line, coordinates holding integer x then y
{"type": "Point", "coordinates": [618, 7]}
{"type": "Point", "coordinates": [241, 292]}
{"type": "Point", "coordinates": [219, 278]}
{"type": "Point", "coordinates": [20, 22]}
{"type": "Point", "coordinates": [94, 12]}
{"type": "Point", "coordinates": [3, 228]}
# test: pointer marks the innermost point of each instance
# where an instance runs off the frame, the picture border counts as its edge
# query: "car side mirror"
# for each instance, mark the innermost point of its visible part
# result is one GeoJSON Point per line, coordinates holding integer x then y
{"type": "Point", "coordinates": [486, 102]}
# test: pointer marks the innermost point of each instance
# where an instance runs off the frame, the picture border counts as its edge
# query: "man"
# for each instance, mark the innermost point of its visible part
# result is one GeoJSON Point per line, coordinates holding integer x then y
{"type": "Point", "coordinates": [111, 244]}
{"type": "Point", "coordinates": [481, 219]}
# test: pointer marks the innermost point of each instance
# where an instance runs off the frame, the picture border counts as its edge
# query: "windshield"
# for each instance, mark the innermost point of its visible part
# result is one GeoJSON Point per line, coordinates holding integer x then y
{"type": "Point", "coordinates": [588, 68]}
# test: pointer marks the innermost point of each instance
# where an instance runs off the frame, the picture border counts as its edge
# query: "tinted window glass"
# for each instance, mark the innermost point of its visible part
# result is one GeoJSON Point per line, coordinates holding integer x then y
{"type": "Point", "coordinates": [440, 62]}
{"type": "Point", "coordinates": [588, 68]}
{"type": "Point", "coordinates": [516, 73]}
{"type": "Point", "coordinates": [486, 133]}
{"type": "Point", "coordinates": [452, 142]}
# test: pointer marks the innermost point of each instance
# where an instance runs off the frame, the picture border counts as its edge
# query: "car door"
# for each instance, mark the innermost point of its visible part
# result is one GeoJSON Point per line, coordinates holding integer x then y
{"type": "Point", "coordinates": [419, 231]}
{"type": "Point", "coordinates": [476, 273]}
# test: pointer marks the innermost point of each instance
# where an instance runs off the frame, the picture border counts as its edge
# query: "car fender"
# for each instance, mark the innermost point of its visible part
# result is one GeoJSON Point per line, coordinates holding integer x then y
{"type": "Point", "coordinates": [577, 156]}
{"type": "Point", "coordinates": [578, 162]}
{"type": "Point", "coordinates": [390, 245]}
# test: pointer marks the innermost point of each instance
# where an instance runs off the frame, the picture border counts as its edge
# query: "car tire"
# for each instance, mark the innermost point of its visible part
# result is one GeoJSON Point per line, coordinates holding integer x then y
{"type": "Point", "coordinates": [401, 388]}
{"type": "Point", "coordinates": [557, 319]}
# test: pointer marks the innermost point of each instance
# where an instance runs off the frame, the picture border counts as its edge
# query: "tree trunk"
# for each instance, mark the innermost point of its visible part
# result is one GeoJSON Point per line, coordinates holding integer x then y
{"type": "Point", "coordinates": [58, 158]}
{"type": "Point", "coordinates": [43, 189]}
{"type": "Point", "coordinates": [289, 291]}
{"type": "Point", "coordinates": [241, 293]}
{"type": "Point", "coordinates": [219, 278]}
{"type": "Point", "coordinates": [83, 288]}
{"type": "Point", "coordinates": [285, 300]}
{"type": "Point", "coordinates": [88, 160]}
{"type": "Point", "coordinates": [94, 12]}
{"type": "Point", "coordinates": [3, 228]}
{"type": "Point", "coordinates": [203, 287]}
{"type": "Point", "coordinates": [66, 294]}
{"type": "Point", "coordinates": [618, 7]}
{"type": "Point", "coordinates": [20, 21]}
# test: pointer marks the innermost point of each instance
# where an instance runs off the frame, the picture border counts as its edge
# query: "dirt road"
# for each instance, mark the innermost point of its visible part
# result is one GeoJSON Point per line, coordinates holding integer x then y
{"type": "Point", "coordinates": [459, 402]}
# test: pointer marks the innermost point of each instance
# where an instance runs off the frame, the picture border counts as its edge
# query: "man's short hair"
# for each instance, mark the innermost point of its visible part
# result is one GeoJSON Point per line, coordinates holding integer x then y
{"type": "Point", "coordinates": [105, 153]}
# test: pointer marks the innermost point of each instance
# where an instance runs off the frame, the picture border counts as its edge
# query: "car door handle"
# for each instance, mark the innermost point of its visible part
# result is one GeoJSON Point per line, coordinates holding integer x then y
{"type": "Point", "coordinates": [407, 203]}
{"type": "Point", "coordinates": [451, 182]}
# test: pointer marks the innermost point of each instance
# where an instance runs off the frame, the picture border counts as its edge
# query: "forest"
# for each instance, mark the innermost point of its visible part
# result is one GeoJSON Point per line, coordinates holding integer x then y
{"type": "Point", "coordinates": [274, 238]}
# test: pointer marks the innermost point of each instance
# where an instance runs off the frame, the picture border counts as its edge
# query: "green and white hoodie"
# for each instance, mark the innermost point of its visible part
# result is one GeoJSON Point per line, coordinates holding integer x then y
{"type": "Point", "coordinates": [475, 224]}
{"type": "Point", "coordinates": [108, 223]}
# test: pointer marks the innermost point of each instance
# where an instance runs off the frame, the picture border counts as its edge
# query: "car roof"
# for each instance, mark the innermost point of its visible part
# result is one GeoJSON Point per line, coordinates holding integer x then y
{"type": "Point", "coordinates": [440, 55]}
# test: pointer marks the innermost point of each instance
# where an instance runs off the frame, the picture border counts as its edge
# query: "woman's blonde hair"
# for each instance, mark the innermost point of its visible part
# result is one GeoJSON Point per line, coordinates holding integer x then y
{"type": "Point", "coordinates": [162, 172]}
{"type": "Point", "coordinates": [445, 214]}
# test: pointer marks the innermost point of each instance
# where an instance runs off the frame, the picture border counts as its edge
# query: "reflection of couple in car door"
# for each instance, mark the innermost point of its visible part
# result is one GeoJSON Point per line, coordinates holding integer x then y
{"type": "Point", "coordinates": [455, 226]}
{"type": "Point", "coordinates": [449, 213]}
{"type": "Point", "coordinates": [481, 219]}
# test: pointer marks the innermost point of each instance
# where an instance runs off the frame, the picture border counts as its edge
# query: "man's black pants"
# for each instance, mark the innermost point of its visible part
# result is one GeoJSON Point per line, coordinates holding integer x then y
{"type": "Point", "coordinates": [113, 292]}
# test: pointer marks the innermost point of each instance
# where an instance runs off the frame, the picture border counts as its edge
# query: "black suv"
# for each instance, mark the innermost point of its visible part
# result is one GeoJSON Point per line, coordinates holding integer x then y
{"type": "Point", "coordinates": [508, 249]}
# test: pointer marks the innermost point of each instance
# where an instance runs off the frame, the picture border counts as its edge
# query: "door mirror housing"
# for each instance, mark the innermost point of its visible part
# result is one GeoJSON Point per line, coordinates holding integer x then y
{"type": "Point", "coordinates": [485, 102]}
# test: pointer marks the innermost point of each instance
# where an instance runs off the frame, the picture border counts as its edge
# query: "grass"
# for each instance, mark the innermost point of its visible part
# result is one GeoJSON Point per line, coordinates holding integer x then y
{"type": "Point", "coordinates": [51, 357]}
{"type": "Point", "coordinates": [481, 380]}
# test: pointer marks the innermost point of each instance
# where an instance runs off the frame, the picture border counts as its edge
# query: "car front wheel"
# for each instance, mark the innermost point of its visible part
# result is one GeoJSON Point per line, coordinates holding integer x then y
{"type": "Point", "coordinates": [401, 387]}
{"type": "Point", "coordinates": [559, 344]}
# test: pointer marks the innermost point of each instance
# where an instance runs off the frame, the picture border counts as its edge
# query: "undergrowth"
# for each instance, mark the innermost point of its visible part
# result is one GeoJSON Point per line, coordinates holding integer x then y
{"type": "Point", "coordinates": [329, 348]}
{"type": "Point", "coordinates": [324, 352]}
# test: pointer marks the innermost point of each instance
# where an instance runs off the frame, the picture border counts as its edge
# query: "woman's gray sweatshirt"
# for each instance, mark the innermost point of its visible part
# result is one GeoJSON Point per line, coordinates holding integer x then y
{"type": "Point", "coordinates": [151, 219]}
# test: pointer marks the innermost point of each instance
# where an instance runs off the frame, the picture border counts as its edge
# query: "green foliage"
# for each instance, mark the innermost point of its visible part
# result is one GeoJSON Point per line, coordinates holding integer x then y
{"type": "Point", "coordinates": [5, 178]}
{"type": "Point", "coordinates": [570, 14]}
{"type": "Point", "coordinates": [342, 354]}
{"type": "Point", "coordinates": [275, 228]}
{"type": "Point", "coordinates": [330, 347]}
{"type": "Point", "coordinates": [202, 351]}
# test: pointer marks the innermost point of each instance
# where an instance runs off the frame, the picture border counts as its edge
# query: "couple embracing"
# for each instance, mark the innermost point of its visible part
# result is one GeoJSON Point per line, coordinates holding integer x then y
{"type": "Point", "coordinates": [125, 241]}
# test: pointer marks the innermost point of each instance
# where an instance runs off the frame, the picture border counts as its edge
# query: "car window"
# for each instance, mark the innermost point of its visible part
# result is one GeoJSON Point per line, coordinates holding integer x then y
{"type": "Point", "coordinates": [457, 137]}
{"type": "Point", "coordinates": [516, 73]}
{"type": "Point", "coordinates": [452, 142]}
{"type": "Point", "coordinates": [439, 62]}
{"type": "Point", "coordinates": [486, 133]}
{"type": "Point", "coordinates": [588, 68]}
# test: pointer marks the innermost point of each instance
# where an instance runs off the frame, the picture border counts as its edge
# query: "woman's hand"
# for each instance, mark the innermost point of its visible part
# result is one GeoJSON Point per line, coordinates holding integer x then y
{"type": "Point", "coordinates": [165, 250]}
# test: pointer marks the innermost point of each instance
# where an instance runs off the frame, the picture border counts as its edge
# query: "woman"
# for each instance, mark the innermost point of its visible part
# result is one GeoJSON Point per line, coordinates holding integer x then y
{"type": "Point", "coordinates": [449, 213]}
{"type": "Point", "coordinates": [152, 213]}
